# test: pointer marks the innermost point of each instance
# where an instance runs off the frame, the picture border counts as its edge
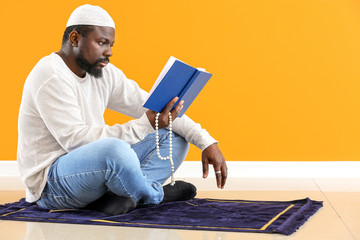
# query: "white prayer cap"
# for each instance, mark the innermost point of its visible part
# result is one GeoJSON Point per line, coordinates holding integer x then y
{"type": "Point", "coordinates": [90, 15]}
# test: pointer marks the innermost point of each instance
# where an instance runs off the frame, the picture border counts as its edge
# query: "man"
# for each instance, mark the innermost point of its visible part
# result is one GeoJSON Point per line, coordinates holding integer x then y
{"type": "Point", "coordinates": [69, 158]}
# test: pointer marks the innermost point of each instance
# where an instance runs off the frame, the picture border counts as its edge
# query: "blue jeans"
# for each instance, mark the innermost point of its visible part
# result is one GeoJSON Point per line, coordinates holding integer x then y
{"type": "Point", "coordinates": [85, 174]}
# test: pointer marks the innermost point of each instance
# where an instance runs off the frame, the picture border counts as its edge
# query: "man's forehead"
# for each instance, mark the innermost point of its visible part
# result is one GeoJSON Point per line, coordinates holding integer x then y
{"type": "Point", "coordinates": [106, 33]}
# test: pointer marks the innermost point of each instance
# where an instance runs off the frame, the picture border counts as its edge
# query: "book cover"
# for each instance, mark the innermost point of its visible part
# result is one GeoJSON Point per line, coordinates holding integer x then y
{"type": "Point", "coordinates": [177, 79]}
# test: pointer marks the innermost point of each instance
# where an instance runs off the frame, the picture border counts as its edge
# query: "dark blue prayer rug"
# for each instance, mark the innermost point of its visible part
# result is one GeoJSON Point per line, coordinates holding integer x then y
{"type": "Point", "coordinates": [196, 214]}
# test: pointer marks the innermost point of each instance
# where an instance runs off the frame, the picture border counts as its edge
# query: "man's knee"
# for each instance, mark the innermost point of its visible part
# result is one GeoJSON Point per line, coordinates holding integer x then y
{"type": "Point", "coordinates": [116, 151]}
{"type": "Point", "coordinates": [181, 144]}
{"type": "Point", "coordinates": [111, 143]}
{"type": "Point", "coordinates": [180, 149]}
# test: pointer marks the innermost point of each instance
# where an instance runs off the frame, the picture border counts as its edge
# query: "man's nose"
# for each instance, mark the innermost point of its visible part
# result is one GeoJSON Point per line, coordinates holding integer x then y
{"type": "Point", "coordinates": [108, 52]}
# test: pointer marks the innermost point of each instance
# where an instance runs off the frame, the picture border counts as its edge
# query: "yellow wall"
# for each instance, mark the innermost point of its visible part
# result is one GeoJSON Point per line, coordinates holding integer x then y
{"type": "Point", "coordinates": [286, 82]}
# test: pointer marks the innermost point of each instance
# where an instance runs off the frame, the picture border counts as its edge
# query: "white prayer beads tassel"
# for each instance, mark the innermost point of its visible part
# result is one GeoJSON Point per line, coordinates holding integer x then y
{"type": "Point", "coordinates": [170, 145]}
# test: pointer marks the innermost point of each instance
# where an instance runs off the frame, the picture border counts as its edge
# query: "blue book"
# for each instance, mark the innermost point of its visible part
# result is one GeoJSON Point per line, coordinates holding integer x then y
{"type": "Point", "coordinates": [177, 79]}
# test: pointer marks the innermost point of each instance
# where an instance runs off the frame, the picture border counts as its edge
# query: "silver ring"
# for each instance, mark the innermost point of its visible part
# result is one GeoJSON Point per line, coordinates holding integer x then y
{"type": "Point", "coordinates": [218, 172]}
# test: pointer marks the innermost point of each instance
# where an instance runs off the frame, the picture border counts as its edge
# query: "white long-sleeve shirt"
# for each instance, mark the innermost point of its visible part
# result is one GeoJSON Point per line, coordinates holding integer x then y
{"type": "Point", "coordinates": [60, 112]}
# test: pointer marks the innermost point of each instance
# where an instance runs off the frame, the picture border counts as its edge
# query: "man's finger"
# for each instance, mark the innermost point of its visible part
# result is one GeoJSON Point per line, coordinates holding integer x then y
{"type": "Point", "coordinates": [205, 165]}
{"type": "Point", "coordinates": [175, 112]}
{"type": "Point", "coordinates": [223, 177]}
{"type": "Point", "coordinates": [169, 106]}
{"type": "Point", "coordinates": [218, 176]}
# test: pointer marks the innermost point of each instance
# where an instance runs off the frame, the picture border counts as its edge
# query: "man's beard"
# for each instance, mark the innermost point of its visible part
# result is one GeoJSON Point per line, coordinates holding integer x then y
{"type": "Point", "coordinates": [91, 69]}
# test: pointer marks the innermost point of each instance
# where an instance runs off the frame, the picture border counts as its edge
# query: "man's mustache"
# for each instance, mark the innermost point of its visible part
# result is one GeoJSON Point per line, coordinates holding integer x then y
{"type": "Point", "coordinates": [104, 60]}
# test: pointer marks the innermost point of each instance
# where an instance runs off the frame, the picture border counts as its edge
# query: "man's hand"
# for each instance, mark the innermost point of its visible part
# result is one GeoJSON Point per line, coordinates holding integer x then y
{"type": "Point", "coordinates": [212, 155]}
{"type": "Point", "coordinates": [164, 115]}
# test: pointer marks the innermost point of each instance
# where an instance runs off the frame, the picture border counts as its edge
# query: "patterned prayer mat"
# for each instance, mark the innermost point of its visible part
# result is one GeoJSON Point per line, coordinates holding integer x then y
{"type": "Point", "coordinates": [196, 214]}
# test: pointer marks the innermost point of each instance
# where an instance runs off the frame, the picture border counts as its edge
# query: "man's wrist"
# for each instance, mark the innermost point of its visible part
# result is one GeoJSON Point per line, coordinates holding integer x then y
{"type": "Point", "coordinates": [150, 118]}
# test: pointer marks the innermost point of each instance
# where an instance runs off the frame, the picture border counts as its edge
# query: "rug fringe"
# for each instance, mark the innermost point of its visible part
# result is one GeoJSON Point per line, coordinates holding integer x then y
{"type": "Point", "coordinates": [293, 223]}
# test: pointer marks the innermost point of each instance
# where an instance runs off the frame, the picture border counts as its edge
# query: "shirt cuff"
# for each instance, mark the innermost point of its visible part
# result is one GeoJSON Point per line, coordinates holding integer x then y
{"type": "Point", "coordinates": [204, 140]}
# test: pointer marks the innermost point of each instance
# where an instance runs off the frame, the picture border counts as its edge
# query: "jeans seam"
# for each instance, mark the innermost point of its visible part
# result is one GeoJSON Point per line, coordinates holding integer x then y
{"type": "Point", "coordinates": [75, 174]}
{"type": "Point", "coordinates": [56, 199]}
{"type": "Point", "coordinates": [154, 150]}
{"type": "Point", "coordinates": [58, 179]}
{"type": "Point", "coordinates": [122, 183]}
{"type": "Point", "coordinates": [149, 139]}
{"type": "Point", "coordinates": [55, 180]}
{"type": "Point", "coordinates": [146, 160]}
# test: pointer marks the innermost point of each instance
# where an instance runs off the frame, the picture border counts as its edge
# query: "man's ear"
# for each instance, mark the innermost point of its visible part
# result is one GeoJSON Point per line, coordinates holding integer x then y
{"type": "Point", "coordinates": [74, 38]}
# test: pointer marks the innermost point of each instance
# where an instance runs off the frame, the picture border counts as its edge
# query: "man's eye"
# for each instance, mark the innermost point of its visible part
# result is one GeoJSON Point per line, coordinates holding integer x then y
{"type": "Point", "coordinates": [101, 43]}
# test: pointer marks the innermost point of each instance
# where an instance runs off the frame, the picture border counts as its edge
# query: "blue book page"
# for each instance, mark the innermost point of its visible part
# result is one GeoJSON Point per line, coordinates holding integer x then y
{"type": "Point", "coordinates": [170, 86]}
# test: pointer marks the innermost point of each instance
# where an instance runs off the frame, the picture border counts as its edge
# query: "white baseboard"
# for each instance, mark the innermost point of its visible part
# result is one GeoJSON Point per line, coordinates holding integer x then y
{"type": "Point", "coordinates": [278, 169]}
{"type": "Point", "coordinates": [10, 179]}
